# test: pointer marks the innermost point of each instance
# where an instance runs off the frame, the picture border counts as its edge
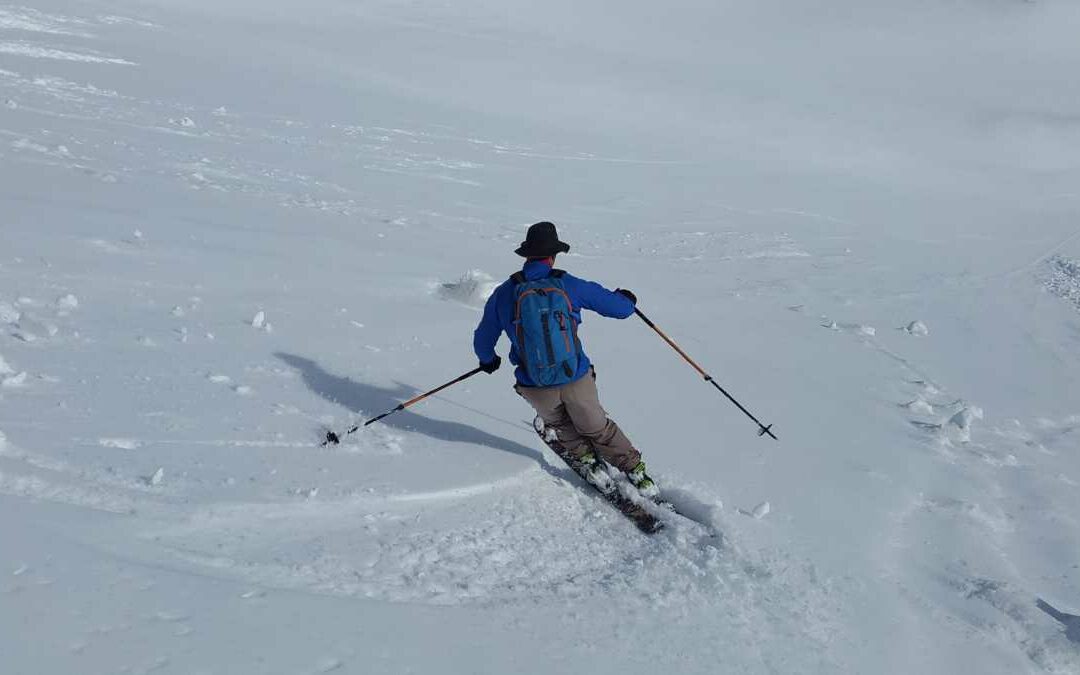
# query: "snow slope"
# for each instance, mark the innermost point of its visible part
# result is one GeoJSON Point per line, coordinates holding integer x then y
{"type": "Point", "coordinates": [227, 229]}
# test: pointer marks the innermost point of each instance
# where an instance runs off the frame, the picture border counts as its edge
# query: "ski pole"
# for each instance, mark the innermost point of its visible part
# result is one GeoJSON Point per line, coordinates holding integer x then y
{"type": "Point", "coordinates": [331, 437]}
{"type": "Point", "coordinates": [762, 429]}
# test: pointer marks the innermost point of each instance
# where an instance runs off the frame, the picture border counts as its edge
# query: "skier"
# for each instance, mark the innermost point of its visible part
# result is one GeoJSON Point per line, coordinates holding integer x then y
{"type": "Point", "coordinates": [539, 309]}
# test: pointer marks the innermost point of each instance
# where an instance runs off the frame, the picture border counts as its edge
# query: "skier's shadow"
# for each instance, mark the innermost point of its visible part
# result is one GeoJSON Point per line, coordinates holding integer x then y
{"type": "Point", "coordinates": [369, 398]}
{"type": "Point", "coordinates": [1071, 622]}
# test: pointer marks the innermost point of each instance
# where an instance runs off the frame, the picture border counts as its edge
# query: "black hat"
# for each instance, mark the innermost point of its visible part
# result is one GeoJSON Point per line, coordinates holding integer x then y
{"type": "Point", "coordinates": [542, 241]}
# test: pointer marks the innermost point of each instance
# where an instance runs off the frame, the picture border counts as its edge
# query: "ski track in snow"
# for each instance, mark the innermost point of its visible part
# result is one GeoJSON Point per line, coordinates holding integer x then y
{"type": "Point", "coordinates": [485, 553]}
{"type": "Point", "coordinates": [35, 21]}
{"type": "Point", "coordinates": [993, 599]}
{"type": "Point", "coordinates": [33, 51]}
{"type": "Point", "coordinates": [479, 548]}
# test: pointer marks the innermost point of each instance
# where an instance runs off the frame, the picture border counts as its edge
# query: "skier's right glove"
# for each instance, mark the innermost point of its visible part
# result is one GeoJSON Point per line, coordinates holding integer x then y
{"type": "Point", "coordinates": [492, 365]}
{"type": "Point", "coordinates": [627, 294]}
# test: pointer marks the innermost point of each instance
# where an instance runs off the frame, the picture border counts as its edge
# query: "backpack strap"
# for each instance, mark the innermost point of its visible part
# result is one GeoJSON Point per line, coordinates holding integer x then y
{"type": "Point", "coordinates": [519, 277]}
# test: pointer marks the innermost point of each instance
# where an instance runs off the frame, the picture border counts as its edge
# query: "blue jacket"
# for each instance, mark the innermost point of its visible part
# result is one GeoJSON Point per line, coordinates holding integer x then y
{"type": "Point", "coordinates": [499, 315]}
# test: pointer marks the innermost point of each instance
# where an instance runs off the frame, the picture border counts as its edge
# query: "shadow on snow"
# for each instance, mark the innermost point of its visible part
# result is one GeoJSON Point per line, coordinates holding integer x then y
{"type": "Point", "coordinates": [358, 396]}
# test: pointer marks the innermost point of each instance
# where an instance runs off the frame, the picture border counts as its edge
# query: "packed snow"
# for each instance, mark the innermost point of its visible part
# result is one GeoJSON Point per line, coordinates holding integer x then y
{"type": "Point", "coordinates": [796, 192]}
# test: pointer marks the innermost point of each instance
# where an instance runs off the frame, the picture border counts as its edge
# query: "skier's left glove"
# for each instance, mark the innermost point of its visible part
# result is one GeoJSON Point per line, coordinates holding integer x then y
{"type": "Point", "coordinates": [492, 365]}
{"type": "Point", "coordinates": [630, 296]}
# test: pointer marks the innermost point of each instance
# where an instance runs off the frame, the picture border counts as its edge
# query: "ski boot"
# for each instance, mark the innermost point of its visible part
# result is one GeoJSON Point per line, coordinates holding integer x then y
{"type": "Point", "coordinates": [640, 480]}
{"type": "Point", "coordinates": [588, 466]}
{"type": "Point", "coordinates": [593, 471]}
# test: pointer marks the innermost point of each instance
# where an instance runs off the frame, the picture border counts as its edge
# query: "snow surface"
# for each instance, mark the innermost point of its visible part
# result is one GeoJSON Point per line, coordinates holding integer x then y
{"type": "Point", "coordinates": [174, 176]}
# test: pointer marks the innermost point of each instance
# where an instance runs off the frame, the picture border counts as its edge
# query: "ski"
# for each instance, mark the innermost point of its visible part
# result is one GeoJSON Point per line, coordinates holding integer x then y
{"type": "Point", "coordinates": [604, 484]}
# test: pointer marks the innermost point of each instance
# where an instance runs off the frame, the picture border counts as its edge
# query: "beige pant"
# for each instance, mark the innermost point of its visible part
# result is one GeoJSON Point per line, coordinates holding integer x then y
{"type": "Point", "coordinates": [574, 411]}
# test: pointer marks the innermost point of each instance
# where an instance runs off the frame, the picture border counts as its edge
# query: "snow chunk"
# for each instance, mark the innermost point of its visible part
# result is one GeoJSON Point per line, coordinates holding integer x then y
{"type": "Point", "coordinates": [185, 122]}
{"type": "Point", "coordinates": [68, 301]}
{"type": "Point", "coordinates": [867, 330]}
{"type": "Point", "coordinates": [219, 379]}
{"type": "Point", "coordinates": [177, 311]}
{"type": "Point", "coordinates": [472, 289]}
{"type": "Point", "coordinates": [243, 390]}
{"type": "Point", "coordinates": [259, 320]}
{"type": "Point", "coordinates": [5, 368]}
{"type": "Point", "coordinates": [758, 512]}
{"type": "Point", "coordinates": [920, 406]}
{"type": "Point", "coordinates": [121, 443]}
{"type": "Point", "coordinates": [14, 381]}
{"type": "Point", "coordinates": [917, 328]}
{"type": "Point", "coordinates": [8, 313]}
{"type": "Point", "coordinates": [962, 421]}
{"type": "Point", "coordinates": [928, 388]}
{"type": "Point", "coordinates": [158, 476]}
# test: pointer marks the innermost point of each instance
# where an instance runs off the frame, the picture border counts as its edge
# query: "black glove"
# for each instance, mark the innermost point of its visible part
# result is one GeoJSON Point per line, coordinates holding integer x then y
{"type": "Point", "coordinates": [628, 294]}
{"type": "Point", "coordinates": [492, 365]}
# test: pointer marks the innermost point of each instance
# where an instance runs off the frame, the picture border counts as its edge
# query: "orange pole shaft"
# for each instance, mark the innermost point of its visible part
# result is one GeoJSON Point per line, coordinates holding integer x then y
{"type": "Point", "coordinates": [762, 429]}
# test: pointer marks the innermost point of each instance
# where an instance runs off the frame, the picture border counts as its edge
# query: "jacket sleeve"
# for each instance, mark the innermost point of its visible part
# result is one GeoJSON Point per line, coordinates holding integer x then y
{"type": "Point", "coordinates": [592, 295]}
{"type": "Point", "coordinates": [487, 332]}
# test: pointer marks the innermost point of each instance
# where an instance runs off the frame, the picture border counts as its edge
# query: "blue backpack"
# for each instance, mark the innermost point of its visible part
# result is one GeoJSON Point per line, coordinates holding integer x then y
{"type": "Point", "coordinates": [545, 330]}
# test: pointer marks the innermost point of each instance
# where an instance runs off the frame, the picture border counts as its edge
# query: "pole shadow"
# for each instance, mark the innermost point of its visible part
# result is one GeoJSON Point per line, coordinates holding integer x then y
{"type": "Point", "coordinates": [357, 396]}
